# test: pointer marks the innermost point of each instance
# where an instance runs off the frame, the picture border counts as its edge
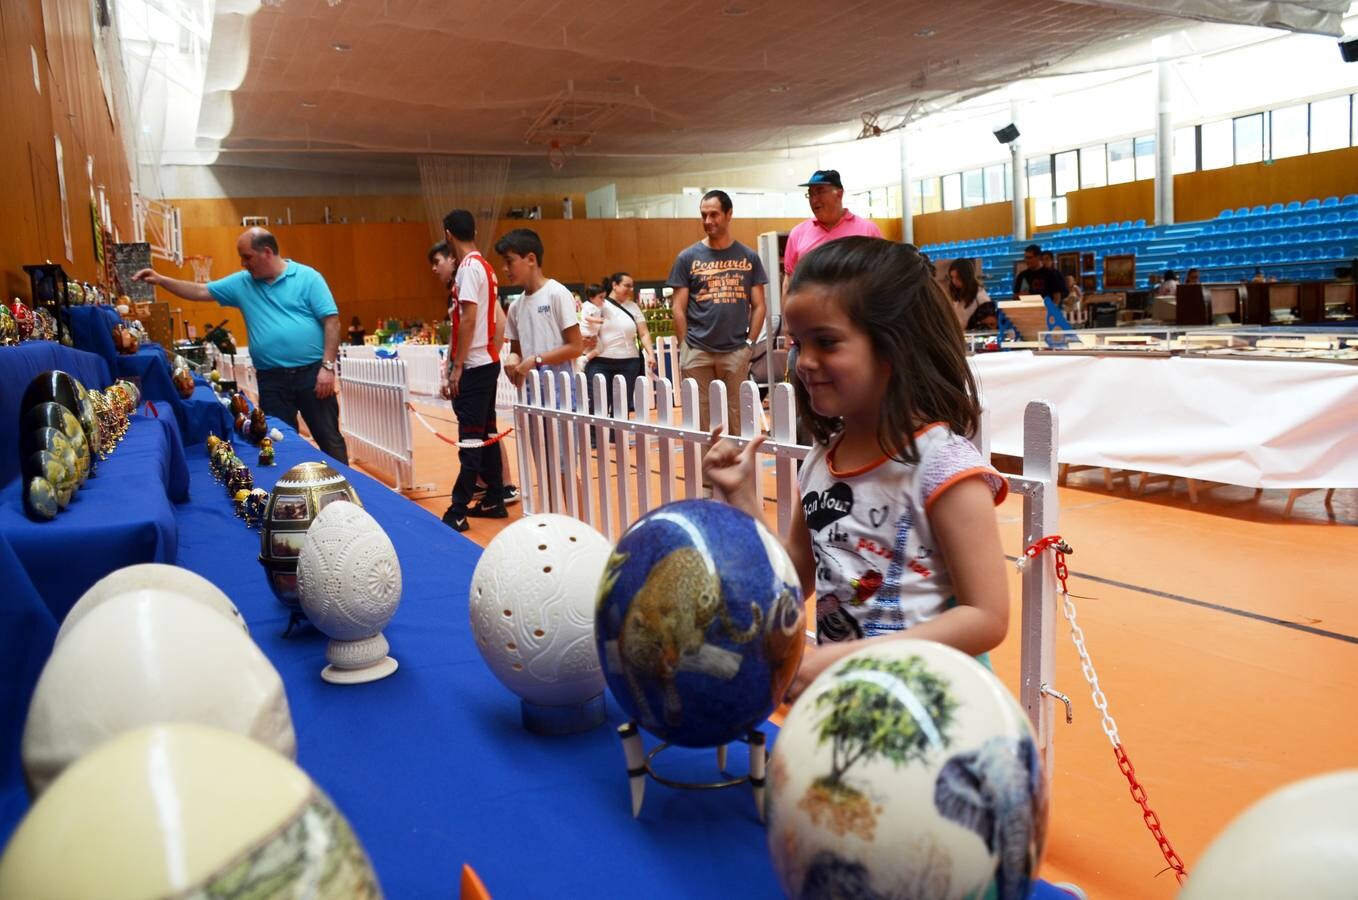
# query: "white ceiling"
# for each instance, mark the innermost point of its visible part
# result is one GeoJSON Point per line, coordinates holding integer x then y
{"type": "Point", "coordinates": [630, 88]}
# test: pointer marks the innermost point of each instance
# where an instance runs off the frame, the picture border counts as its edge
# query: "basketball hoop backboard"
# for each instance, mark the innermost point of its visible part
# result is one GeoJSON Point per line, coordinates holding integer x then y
{"type": "Point", "coordinates": [202, 268]}
{"type": "Point", "coordinates": [254, 221]}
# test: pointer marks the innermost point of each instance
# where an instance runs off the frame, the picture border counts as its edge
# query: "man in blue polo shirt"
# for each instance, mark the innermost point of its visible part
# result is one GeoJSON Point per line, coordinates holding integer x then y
{"type": "Point", "coordinates": [294, 332]}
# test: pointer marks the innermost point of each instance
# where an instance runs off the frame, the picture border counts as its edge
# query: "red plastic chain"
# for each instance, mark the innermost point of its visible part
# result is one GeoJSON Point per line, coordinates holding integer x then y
{"type": "Point", "coordinates": [1055, 543]}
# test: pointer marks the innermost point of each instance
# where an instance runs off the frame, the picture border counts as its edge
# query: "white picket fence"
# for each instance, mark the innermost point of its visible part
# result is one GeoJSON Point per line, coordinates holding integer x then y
{"type": "Point", "coordinates": [374, 419]}
{"type": "Point", "coordinates": [613, 483]}
{"type": "Point", "coordinates": [424, 369]}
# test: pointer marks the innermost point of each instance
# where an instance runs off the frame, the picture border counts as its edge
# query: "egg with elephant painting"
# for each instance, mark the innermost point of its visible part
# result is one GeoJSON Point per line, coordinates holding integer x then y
{"type": "Point", "coordinates": [700, 623]}
{"type": "Point", "coordinates": [906, 770]}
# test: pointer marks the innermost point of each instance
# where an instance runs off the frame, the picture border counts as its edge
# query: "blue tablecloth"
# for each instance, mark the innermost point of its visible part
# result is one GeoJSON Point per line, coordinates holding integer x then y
{"type": "Point", "coordinates": [20, 365]}
{"type": "Point", "coordinates": [92, 331]}
{"type": "Point", "coordinates": [27, 629]}
{"type": "Point", "coordinates": [196, 416]}
{"type": "Point", "coordinates": [432, 766]}
{"type": "Point", "coordinates": [123, 515]}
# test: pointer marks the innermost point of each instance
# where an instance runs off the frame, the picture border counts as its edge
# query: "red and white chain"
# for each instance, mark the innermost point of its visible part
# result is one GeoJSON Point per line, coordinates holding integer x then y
{"type": "Point", "coordinates": [1110, 727]}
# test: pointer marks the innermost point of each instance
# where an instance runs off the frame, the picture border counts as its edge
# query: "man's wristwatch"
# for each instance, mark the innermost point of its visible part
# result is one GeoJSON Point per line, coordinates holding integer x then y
{"type": "Point", "coordinates": [328, 365]}
{"type": "Point", "coordinates": [537, 360]}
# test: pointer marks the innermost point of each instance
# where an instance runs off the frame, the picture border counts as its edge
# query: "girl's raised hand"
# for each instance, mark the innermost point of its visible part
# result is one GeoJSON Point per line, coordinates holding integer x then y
{"type": "Point", "coordinates": [732, 470]}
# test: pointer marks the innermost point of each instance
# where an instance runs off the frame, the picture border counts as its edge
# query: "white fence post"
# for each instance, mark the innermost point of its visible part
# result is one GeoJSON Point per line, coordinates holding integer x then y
{"type": "Point", "coordinates": [375, 420]}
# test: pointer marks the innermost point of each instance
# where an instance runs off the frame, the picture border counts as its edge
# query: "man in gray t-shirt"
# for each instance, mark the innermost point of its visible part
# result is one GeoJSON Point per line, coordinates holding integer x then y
{"type": "Point", "coordinates": [718, 305]}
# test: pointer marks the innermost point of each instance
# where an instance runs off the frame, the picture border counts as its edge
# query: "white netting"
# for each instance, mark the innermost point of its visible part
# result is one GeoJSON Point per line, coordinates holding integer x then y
{"type": "Point", "coordinates": [202, 268]}
{"type": "Point", "coordinates": [476, 183]}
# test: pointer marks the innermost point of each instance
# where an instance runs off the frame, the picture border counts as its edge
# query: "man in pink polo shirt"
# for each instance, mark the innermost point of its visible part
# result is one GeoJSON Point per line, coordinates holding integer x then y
{"type": "Point", "coordinates": [829, 220]}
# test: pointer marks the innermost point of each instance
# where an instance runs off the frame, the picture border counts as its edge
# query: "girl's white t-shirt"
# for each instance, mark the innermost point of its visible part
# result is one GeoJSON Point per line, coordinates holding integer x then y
{"type": "Point", "coordinates": [878, 567]}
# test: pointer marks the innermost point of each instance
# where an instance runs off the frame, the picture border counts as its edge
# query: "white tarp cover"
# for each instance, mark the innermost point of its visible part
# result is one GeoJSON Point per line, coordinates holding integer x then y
{"type": "Point", "coordinates": [1308, 16]}
{"type": "Point", "coordinates": [1256, 423]}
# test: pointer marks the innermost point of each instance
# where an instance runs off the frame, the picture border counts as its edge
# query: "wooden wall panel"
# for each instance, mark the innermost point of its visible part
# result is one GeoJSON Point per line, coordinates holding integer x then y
{"type": "Point", "coordinates": [961, 224]}
{"type": "Point", "coordinates": [1202, 195]}
{"type": "Point", "coordinates": [70, 105]}
{"type": "Point", "coordinates": [1114, 203]}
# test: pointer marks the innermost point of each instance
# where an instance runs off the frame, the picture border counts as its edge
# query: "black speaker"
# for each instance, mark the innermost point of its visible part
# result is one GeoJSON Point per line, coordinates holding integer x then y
{"type": "Point", "coordinates": [1348, 48]}
{"type": "Point", "coordinates": [1008, 134]}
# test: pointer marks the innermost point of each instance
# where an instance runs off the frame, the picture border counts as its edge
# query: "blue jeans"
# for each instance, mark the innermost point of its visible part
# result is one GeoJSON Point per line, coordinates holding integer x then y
{"type": "Point", "coordinates": [283, 393]}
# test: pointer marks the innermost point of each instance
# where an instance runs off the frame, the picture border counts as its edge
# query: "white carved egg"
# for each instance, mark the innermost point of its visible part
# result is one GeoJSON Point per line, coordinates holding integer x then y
{"type": "Point", "coordinates": [143, 658]}
{"type": "Point", "coordinates": [153, 576]}
{"type": "Point", "coordinates": [532, 608]}
{"type": "Point", "coordinates": [185, 811]}
{"type": "Point", "coordinates": [348, 576]}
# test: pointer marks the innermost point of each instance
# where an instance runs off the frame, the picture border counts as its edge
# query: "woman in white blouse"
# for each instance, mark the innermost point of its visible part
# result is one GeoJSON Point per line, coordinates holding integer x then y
{"type": "Point", "coordinates": [619, 335]}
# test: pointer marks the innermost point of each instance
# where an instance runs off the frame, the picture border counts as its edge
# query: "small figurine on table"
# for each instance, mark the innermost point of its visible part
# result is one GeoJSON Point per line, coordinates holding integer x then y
{"type": "Point", "coordinates": [256, 429]}
{"type": "Point", "coordinates": [266, 452]}
{"type": "Point", "coordinates": [238, 501]}
{"type": "Point", "coordinates": [255, 505]}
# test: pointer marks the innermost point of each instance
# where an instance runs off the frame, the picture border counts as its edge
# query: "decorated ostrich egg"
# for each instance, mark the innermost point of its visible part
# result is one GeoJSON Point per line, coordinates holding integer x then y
{"type": "Point", "coordinates": [349, 581]}
{"type": "Point", "coordinates": [700, 623]}
{"type": "Point", "coordinates": [176, 581]}
{"type": "Point", "coordinates": [298, 497]}
{"type": "Point", "coordinates": [181, 810]}
{"type": "Point", "coordinates": [146, 657]}
{"type": "Point", "coordinates": [906, 770]}
{"type": "Point", "coordinates": [532, 603]}
{"type": "Point", "coordinates": [1299, 841]}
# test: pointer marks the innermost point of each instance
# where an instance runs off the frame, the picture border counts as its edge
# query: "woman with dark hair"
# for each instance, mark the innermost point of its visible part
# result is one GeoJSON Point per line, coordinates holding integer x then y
{"type": "Point", "coordinates": [970, 302]}
{"type": "Point", "coordinates": [356, 332]}
{"type": "Point", "coordinates": [621, 336]}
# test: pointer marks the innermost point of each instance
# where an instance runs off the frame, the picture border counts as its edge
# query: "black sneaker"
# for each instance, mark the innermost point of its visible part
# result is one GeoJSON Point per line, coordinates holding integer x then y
{"type": "Point", "coordinates": [511, 495]}
{"type": "Point", "coordinates": [488, 511]}
{"type": "Point", "coordinates": [456, 520]}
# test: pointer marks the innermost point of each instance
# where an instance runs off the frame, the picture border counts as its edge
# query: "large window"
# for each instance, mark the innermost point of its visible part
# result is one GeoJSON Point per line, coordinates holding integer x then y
{"type": "Point", "coordinates": [973, 188]}
{"type": "Point", "coordinates": [1185, 150]}
{"type": "Point", "coordinates": [952, 191]}
{"type": "Point", "coordinates": [997, 188]}
{"type": "Point", "coordinates": [1249, 139]}
{"type": "Point", "coordinates": [1093, 166]}
{"type": "Point", "coordinates": [1218, 145]}
{"type": "Point", "coordinates": [1040, 176]}
{"type": "Point", "coordinates": [1287, 131]}
{"type": "Point", "coordinates": [1121, 162]}
{"type": "Point", "coordinates": [1330, 126]}
{"type": "Point", "coordinates": [930, 197]}
{"type": "Point", "coordinates": [1145, 158]}
{"type": "Point", "coordinates": [1067, 168]}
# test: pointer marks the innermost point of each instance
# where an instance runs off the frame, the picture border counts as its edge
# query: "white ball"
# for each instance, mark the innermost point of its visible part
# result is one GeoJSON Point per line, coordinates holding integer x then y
{"type": "Point", "coordinates": [153, 576]}
{"type": "Point", "coordinates": [143, 658]}
{"type": "Point", "coordinates": [348, 576]}
{"type": "Point", "coordinates": [532, 608]}
{"type": "Point", "coordinates": [1299, 841]}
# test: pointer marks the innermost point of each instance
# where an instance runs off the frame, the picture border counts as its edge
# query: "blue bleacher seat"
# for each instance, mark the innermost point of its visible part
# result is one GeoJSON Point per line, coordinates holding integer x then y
{"type": "Point", "coordinates": [1274, 239]}
{"type": "Point", "coordinates": [1293, 206]}
{"type": "Point", "coordinates": [1256, 241]}
{"type": "Point", "coordinates": [1329, 203]}
{"type": "Point", "coordinates": [1333, 234]}
{"type": "Point", "coordinates": [1335, 252]}
{"type": "Point", "coordinates": [1275, 208]}
{"type": "Point", "coordinates": [1330, 217]}
{"type": "Point", "coordinates": [1349, 200]}
{"type": "Point", "coordinates": [1351, 233]}
{"type": "Point", "coordinates": [1311, 219]}
{"type": "Point", "coordinates": [1290, 255]}
{"type": "Point", "coordinates": [1225, 214]}
{"type": "Point", "coordinates": [1140, 223]}
{"type": "Point", "coordinates": [1242, 211]}
{"type": "Point", "coordinates": [1274, 256]}
{"type": "Point", "coordinates": [1258, 210]}
{"type": "Point", "coordinates": [1313, 203]}
{"type": "Point", "coordinates": [1349, 214]}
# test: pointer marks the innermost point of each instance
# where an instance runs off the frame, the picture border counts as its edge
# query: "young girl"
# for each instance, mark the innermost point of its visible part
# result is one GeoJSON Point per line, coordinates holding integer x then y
{"type": "Point", "coordinates": [896, 532]}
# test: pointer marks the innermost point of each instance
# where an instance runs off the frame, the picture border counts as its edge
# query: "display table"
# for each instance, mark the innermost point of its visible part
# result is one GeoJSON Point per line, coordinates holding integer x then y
{"type": "Point", "coordinates": [122, 515]}
{"type": "Point", "coordinates": [92, 331]}
{"type": "Point", "coordinates": [432, 766]}
{"type": "Point", "coordinates": [1255, 423]}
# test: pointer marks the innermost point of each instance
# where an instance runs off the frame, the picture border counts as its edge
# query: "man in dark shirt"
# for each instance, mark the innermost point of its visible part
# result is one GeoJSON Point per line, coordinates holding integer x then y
{"type": "Point", "coordinates": [1035, 278]}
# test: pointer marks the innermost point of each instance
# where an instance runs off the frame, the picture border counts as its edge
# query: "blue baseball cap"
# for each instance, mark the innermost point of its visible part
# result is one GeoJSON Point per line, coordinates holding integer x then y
{"type": "Point", "coordinates": [824, 176]}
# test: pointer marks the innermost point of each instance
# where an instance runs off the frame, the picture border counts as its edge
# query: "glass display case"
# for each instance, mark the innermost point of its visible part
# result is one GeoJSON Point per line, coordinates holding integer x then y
{"type": "Point", "coordinates": [1240, 342]}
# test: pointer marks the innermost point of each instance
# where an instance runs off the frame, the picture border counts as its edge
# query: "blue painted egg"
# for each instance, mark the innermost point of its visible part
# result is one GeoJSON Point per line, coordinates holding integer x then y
{"type": "Point", "coordinates": [700, 623]}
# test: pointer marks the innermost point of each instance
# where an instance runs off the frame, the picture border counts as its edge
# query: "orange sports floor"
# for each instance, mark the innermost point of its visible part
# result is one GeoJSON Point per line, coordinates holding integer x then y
{"type": "Point", "coordinates": [1225, 638]}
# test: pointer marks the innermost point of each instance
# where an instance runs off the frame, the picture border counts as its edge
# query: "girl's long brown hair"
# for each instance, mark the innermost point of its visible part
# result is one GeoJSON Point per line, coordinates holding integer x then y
{"type": "Point", "coordinates": [886, 289]}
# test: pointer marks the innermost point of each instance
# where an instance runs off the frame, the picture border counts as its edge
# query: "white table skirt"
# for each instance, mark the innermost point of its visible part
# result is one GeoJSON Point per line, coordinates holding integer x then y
{"type": "Point", "coordinates": [1255, 423]}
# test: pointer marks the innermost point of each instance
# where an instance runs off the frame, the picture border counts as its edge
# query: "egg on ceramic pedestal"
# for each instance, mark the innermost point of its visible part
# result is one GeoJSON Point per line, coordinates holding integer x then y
{"type": "Point", "coordinates": [183, 810]}
{"type": "Point", "coordinates": [532, 614]}
{"type": "Point", "coordinates": [349, 583]}
{"type": "Point", "coordinates": [189, 586]}
{"type": "Point", "coordinates": [906, 769]}
{"type": "Point", "coordinates": [144, 657]}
